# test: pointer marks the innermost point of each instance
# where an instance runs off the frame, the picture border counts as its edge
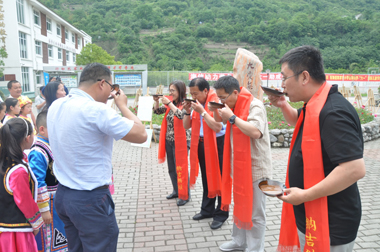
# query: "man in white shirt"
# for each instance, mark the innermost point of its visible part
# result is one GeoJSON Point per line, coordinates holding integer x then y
{"type": "Point", "coordinates": [15, 90]}
{"type": "Point", "coordinates": [40, 101]}
{"type": "Point", "coordinates": [81, 132]}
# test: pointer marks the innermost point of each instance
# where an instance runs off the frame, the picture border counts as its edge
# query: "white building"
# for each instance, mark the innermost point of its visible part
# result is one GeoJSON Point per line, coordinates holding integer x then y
{"type": "Point", "coordinates": [36, 37]}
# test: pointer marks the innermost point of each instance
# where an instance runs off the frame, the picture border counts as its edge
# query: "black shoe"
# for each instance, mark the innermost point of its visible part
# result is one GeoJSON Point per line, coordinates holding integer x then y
{"type": "Point", "coordinates": [200, 216]}
{"type": "Point", "coordinates": [181, 202]}
{"type": "Point", "coordinates": [216, 224]}
{"type": "Point", "coordinates": [172, 195]}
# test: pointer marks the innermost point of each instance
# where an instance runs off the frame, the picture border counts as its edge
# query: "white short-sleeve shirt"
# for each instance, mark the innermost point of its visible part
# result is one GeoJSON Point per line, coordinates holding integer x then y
{"type": "Point", "coordinates": [81, 132]}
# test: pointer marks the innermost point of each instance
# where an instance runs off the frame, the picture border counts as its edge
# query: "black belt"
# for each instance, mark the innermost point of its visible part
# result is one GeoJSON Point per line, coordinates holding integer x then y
{"type": "Point", "coordinates": [102, 187]}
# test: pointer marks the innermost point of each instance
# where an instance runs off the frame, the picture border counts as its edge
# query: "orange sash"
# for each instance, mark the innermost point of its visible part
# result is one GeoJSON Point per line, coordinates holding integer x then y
{"type": "Point", "coordinates": [211, 157]}
{"type": "Point", "coordinates": [317, 234]}
{"type": "Point", "coordinates": [180, 152]}
{"type": "Point", "coordinates": [242, 172]}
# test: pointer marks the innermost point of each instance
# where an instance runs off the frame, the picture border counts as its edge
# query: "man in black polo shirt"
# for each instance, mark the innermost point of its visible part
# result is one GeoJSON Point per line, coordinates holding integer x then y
{"type": "Point", "coordinates": [338, 130]}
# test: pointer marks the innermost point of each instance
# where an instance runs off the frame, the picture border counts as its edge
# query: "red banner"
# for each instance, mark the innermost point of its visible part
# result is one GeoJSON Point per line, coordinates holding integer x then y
{"type": "Point", "coordinates": [278, 77]}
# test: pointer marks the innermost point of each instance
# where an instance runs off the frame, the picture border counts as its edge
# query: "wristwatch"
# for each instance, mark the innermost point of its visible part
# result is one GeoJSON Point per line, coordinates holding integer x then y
{"type": "Point", "coordinates": [204, 113]}
{"type": "Point", "coordinates": [232, 119]}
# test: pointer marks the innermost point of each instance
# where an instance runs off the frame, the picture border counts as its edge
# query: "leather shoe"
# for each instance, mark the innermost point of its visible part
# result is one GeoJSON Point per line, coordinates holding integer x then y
{"type": "Point", "coordinates": [216, 224]}
{"type": "Point", "coordinates": [172, 195]}
{"type": "Point", "coordinates": [181, 202]}
{"type": "Point", "coordinates": [200, 216]}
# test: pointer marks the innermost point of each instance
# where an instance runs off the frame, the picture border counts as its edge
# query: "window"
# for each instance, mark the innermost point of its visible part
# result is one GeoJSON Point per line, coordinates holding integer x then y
{"type": "Point", "coordinates": [67, 56]}
{"type": "Point", "coordinates": [66, 34]}
{"type": "Point", "coordinates": [25, 79]}
{"type": "Point", "coordinates": [20, 11]}
{"type": "Point", "coordinates": [50, 51]}
{"type": "Point", "coordinates": [73, 38]}
{"type": "Point", "coordinates": [48, 24]}
{"type": "Point", "coordinates": [74, 58]}
{"type": "Point", "coordinates": [58, 29]}
{"type": "Point", "coordinates": [22, 40]}
{"type": "Point", "coordinates": [59, 53]}
{"type": "Point", "coordinates": [38, 47]}
{"type": "Point", "coordinates": [37, 17]}
{"type": "Point", "coordinates": [38, 78]}
{"type": "Point", "coordinates": [78, 41]}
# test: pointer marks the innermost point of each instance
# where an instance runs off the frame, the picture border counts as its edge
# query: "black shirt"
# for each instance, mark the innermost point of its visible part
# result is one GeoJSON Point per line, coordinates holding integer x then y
{"type": "Point", "coordinates": [342, 141]}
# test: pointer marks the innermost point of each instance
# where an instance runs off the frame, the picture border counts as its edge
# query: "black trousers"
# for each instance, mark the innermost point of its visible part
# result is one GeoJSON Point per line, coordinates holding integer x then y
{"type": "Point", "coordinates": [89, 218]}
{"type": "Point", "coordinates": [170, 157]}
{"type": "Point", "coordinates": [208, 204]}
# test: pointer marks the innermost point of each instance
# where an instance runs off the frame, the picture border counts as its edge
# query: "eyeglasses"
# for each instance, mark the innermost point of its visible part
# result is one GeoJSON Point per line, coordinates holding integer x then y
{"type": "Point", "coordinates": [172, 90]}
{"type": "Point", "coordinates": [113, 87]}
{"type": "Point", "coordinates": [223, 99]}
{"type": "Point", "coordinates": [284, 79]}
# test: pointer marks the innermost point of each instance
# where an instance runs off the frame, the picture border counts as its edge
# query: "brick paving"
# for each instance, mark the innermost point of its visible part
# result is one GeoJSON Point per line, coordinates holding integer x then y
{"type": "Point", "coordinates": [149, 222]}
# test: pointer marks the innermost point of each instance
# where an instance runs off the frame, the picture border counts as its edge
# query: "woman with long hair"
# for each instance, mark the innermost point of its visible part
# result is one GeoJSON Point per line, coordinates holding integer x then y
{"type": "Point", "coordinates": [175, 140]}
{"type": "Point", "coordinates": [53, 91]}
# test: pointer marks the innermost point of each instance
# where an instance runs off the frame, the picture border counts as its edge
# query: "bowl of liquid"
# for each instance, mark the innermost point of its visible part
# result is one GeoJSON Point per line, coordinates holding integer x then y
{"type": "Point", "coordinates": [272, 188]}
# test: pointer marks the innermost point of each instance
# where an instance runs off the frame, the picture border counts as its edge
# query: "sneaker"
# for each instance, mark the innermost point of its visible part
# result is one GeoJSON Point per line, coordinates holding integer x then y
{"type": "Point", "coordinates": [231, 246]}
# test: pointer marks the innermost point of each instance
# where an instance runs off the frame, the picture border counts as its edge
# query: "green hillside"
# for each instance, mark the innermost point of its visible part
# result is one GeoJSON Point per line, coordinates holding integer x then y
{"type": "Point", "coordinates": [204, 34]}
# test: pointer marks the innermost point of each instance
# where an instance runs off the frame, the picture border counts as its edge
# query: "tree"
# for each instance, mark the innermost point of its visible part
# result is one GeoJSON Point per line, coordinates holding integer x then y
{"type": "Point", "coordinates": [3, 54]}
{"type": "Point", "coordinates": [92, 53]}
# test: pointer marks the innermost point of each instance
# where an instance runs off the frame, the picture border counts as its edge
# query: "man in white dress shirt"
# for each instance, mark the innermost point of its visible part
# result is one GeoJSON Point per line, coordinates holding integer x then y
{"type": "Point", "coordinates": [81, 132]}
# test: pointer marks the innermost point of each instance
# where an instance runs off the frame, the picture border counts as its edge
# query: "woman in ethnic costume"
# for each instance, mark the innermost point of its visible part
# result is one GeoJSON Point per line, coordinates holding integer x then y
{"type": "Point", "coordinates": [20, 218]}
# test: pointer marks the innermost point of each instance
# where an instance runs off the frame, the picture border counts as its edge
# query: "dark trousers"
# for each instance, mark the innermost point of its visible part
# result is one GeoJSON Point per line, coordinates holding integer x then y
{"type": "Point", "coordinates": [170, 157]}
{"type": "Point", "coordinates": [208, 204]}
{"type": "Point", "coordinates": [89, 218]}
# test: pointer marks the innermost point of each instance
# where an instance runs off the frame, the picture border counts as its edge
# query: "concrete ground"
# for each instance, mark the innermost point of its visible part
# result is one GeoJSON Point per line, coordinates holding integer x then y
{"type": "Point", "coordinates": [150, 222]}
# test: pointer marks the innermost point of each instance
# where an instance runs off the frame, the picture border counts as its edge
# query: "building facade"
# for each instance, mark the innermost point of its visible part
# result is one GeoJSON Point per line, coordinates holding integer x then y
{"type": "Point", "coordinates": [36, 37]}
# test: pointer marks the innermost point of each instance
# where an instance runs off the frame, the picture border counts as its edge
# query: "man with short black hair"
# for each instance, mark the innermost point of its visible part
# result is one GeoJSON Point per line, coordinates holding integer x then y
{"type": "Point", "coordinates": [247, 160]}
{"type": "Point", "coordinates": [322, 208]}
{"type": "Point", "coordinates": [206, 135]}
{"type": "Point", "coordinates": [81, 131]}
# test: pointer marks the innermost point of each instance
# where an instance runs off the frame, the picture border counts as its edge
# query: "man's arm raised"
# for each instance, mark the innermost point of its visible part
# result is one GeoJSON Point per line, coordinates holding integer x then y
{"type": "Point", "coordinates": [138, 133]}
{"type": "Point", "coordinates": [290, 113]}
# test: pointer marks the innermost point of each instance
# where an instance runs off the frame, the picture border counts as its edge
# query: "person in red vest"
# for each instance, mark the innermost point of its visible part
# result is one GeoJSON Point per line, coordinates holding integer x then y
{"type": "Point", "coordinates": [322, 207]}
{"type": "Point", "coordinates": [206, 134]}
{"type": "Point", "coordinates": [247, 161]}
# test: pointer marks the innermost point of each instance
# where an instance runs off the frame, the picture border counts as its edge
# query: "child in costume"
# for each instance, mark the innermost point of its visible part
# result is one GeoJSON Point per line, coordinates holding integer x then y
{"type": "Point", "coordinates": [26, 109]}
{"type": "Point", "coordinates": [12, 109]}
{"type": "Point", "coordinates": [20, 217]}
{"type": "Point", "coordinates": [52, 235]}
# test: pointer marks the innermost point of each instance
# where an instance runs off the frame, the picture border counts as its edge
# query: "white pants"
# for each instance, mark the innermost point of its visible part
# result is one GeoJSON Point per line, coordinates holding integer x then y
{"type": "Point", "coordinates": [338, 248]}
{"type": "Point", "coordinates": [253, 239]}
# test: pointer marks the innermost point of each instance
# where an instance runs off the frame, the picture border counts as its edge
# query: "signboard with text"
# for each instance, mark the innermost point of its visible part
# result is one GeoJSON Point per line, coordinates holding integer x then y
{"type": "Point", "coordinates": [128, 79]}
{"type": "Point", "coordinates": [278, 77]}
{"type": "Point", "coordinates": [69, 80]}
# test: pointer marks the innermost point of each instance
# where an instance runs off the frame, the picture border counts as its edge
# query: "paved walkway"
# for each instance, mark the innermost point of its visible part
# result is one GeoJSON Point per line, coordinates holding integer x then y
{"type": "Point", "coordinates": [150, 222]}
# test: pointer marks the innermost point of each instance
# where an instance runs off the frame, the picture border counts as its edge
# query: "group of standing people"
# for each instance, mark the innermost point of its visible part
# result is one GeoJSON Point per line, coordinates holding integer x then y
{"type": "Point", "coordinates": [230, 145]}
{"type": "Point", "coordinates": [321, 209]}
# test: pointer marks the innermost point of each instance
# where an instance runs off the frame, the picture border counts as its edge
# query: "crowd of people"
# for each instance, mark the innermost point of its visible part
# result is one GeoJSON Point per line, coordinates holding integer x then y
{"type": "Point", "coordinates": [64, 180]}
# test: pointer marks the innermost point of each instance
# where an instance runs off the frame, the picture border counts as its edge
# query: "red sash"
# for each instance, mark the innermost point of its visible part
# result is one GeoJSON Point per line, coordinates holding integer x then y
{"type": "Point", "coordinates": [180, 152]}
{"type": "Point", "coordinates": [317, 236]}
{"type": "Point", "coordinates": [211, 156]}
{"type": "Point", "coordinates": [242, 173]}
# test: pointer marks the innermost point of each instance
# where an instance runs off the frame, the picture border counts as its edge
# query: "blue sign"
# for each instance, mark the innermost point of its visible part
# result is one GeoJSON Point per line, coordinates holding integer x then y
{"type": "Point", "coordinates": [128, 79]}
{"type": "Point", "coordinates": [46, 78]}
